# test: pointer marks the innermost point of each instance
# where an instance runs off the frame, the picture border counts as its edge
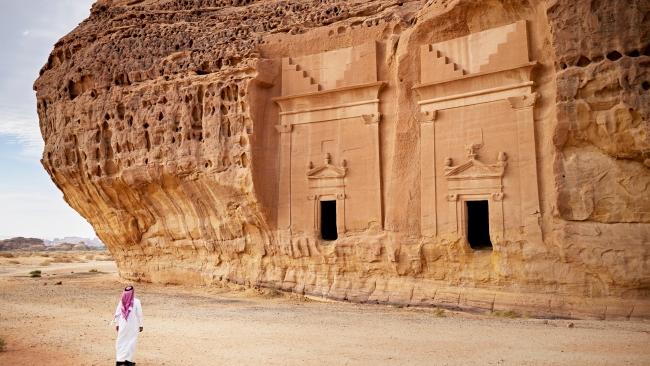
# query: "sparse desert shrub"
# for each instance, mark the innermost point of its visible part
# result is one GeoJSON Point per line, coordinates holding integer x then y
{"type": "Point", "coordinates": [440, 313]}
{"type": "Point", "coordinates": [505, 314]}
{"type": "Point", "coordinates": [7, 255]}
{"type": "Point", "coordinates": [35, 273]}
{"type": "Point", "coordinates": [46, 255]}
{"type": "Point", "coordinates": [94, 270]}
{"type": "Point", "coordinates": [268, 293]}
{"type": "Point", "coordinates": [3, 345]}
{"type": "Point", "coordinates": [62, 259]}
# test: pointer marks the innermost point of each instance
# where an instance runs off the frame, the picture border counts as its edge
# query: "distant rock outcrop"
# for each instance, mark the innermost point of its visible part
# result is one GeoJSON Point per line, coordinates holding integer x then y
{"type": "Point", "coordinates": [21, 243]}
{"type": "Point", "coordinates": [37, 245]}
{"type": "Point", "coordinates": [76, 240]}
{"type": "Point", "coordinates": [69, 247]}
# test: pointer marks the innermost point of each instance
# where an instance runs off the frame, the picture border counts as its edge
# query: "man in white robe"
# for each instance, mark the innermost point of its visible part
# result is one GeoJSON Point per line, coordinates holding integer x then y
{"type": "Point", "coordinates": [128, 319]}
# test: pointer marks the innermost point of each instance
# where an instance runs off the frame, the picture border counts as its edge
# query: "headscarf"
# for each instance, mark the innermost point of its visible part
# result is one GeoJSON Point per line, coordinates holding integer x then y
{"type": "Point", "coordinates": [127, 301]}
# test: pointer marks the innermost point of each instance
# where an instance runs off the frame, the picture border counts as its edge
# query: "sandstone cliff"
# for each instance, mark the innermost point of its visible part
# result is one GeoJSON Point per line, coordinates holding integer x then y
{"type": "Point", "coordinates": [160, 125]}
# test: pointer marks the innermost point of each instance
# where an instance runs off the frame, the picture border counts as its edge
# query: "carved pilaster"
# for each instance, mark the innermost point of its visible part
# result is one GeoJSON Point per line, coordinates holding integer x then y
{"type": "Point", "coordinates": [284, 202]}
{"type": "Point", "coordinates": [428, 210]}
{"type": "Point", "coordinates": [523, 109]}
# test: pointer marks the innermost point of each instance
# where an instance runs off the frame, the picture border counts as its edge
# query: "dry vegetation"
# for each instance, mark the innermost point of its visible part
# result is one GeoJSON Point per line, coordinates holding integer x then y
{"type": "Point", "coordinates": [26, 263]}
{"type": "Point", "coordinates": [13, 257]}
{"type": "Point", "coordinates": [35, 273]}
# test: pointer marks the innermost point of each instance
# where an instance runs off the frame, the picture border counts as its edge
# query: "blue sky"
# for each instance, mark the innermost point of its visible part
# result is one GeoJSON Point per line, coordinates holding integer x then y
{"type": "Point", "coordinates": [30, 204]}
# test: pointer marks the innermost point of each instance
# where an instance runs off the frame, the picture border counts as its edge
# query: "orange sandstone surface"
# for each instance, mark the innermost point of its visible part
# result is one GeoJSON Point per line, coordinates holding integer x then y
{"type": "Point", "coordinates": [480, 155]}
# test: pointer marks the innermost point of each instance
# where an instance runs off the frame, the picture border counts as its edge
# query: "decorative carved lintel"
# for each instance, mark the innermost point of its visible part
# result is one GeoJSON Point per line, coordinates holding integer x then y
{"type": "Point", "coordinates": [315, 197]}
{"type": "Point", "coordinates": [523, 101]}
{"type": "Point", "coordinates": [426, 117]}
{"type": "Point", "coordinates": [326, 170]}
{"type": "Point", "coordinates": [284, 128]}
{"type": "Point", "coordinates": [474, 168]}
{"type": "Point", "coordinates": [371, 118]}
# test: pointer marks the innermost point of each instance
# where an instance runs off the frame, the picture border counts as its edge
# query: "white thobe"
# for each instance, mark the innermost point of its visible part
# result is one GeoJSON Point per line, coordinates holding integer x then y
{"type": "Point", "coordinates": [127, 335]}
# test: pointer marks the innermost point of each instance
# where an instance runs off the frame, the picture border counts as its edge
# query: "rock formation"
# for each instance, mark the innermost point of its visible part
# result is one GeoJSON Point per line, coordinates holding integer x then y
{"type": "Point", "coordinates": [90, 242]}
{"type": "Point", "coordinates": [20, 243]}
{"type": "Point", "coordinates": [470, 154]}
{"type": "Point", "coordinates": [39, 245]}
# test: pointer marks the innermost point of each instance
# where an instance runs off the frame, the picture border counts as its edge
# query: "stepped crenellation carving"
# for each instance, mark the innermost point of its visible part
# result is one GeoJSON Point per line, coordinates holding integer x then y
{"type": "Point", "coordinates": [483, 52]}
{"type": "Point", "coordinates": [439, 67]}
{"type": "Point", "coordinates": [296, 80]}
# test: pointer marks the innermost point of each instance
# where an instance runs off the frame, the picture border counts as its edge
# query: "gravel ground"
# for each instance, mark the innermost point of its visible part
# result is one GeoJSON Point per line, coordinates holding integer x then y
{"type": "Point", "coordinates": [44, 323]}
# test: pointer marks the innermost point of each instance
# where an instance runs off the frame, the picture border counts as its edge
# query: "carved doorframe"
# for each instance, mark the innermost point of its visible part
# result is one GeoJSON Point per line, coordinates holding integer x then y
{"type": "Point", "coordinates": [458, 210]}
{"type": "Point", "coordinates": [337, 195]}
{"type": "Point", "coordinates": [327, 183]}
{"type": "Point", "coordinates": [476, 181]}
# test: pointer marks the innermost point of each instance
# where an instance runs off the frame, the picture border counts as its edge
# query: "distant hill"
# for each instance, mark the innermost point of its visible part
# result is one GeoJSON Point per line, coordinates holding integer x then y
{"type": "Point", "coordinates": [75, 240]}
{"type": "Point", "coordinates": [72, 246]}
{"type": "Point", "coordinates": [35, 244]}
{"type": "Point", "coordinates": [21, 243]}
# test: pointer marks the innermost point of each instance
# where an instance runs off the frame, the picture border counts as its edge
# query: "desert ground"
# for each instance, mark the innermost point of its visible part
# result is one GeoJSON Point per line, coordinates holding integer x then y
{"type": "Point", "coordinates": [63, 318]}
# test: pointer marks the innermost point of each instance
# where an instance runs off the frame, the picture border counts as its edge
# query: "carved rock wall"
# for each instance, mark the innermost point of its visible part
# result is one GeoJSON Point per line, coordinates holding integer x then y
{"type": "Point", "coordinates": [160, 130]}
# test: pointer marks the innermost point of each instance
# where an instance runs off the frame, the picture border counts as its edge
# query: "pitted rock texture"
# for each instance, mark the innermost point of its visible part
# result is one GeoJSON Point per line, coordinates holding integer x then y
{"type": "Point", "coordinates": [160, 130]}
{"type": "Point", "coordinates": [603, 62]}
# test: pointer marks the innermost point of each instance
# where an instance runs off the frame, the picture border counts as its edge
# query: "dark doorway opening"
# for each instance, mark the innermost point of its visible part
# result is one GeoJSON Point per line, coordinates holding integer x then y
{"type": "Point", "coordinates": [478, 225]}
{"type": "Point", "coordinates": [328, 220]}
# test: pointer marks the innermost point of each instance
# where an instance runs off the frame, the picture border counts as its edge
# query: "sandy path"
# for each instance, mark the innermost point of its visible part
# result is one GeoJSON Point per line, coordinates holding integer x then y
{"type": "Point", "coordinates": [68, 324]}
